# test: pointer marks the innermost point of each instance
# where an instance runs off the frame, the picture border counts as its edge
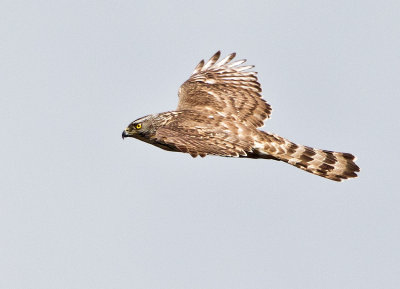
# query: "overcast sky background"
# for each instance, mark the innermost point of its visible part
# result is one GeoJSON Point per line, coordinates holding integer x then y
{"type": "Point", "coordinates": [81, 208]}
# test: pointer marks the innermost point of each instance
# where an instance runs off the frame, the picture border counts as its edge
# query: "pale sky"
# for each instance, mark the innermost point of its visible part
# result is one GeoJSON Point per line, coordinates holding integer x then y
{"type": "Point", "coordinates": [82, 208]}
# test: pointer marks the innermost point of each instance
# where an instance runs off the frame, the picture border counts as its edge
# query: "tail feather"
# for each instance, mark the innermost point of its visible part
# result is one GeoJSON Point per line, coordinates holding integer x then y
{"type": "Point", "coordinates": [332, 165]}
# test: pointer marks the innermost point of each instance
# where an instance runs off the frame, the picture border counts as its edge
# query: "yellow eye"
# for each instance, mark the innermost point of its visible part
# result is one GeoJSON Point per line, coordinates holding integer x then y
{"type": "Point", "coordinates": [139, 126]}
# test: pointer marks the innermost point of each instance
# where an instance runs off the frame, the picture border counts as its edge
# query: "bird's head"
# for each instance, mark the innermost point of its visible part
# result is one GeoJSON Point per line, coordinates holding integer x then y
{"type": "Point", "coordinates": [140, 128]}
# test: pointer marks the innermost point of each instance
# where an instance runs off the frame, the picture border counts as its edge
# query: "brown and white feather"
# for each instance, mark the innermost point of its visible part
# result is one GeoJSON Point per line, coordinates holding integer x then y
{"type": "Point", "coordinates": [227, 89]}
{"type": "Point", "coordinates": [332, 165]}
{"type": "Point", "coordinates": [190, 132]}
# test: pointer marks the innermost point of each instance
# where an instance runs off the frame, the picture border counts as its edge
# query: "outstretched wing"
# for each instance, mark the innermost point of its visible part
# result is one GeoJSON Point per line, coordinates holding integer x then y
{"type": "Point", "coordinates": [193, 133]}
{"type": "Point", "coordinates": [200, 143]}
{"type": "Point", "coordinates": [225, 88]}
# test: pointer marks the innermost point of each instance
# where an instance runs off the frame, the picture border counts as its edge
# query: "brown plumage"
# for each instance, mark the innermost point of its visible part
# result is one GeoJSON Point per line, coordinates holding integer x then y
{"type": "Point", "coordinates": [219, 112]}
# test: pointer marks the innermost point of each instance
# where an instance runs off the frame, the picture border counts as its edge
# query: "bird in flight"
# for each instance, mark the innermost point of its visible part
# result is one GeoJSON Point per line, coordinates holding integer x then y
{"type": "Point", "coordinates": [219, 112]}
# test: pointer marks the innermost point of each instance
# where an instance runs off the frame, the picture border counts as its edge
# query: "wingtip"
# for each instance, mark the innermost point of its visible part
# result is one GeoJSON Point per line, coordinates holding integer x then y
{"type": "Point", "coordinates": [198, 67]}
{"type": "Point", "coordinates": [213, 59]}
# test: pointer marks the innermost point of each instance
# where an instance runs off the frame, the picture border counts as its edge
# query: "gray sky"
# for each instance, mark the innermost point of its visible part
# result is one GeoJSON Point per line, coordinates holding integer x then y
{"type": "Point", "coordinates": [80, 208]}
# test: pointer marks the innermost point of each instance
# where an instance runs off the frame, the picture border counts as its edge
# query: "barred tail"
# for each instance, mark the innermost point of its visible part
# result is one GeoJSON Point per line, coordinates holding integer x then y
{"type": "Point", "coordinates": [328, 164]}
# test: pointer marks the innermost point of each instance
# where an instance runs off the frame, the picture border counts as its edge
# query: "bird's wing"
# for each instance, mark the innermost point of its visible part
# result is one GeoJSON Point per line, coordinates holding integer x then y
{"type": "Point", "coordinates": [225, 88]}
{"type": "Point", "coordinates": [211, 137]}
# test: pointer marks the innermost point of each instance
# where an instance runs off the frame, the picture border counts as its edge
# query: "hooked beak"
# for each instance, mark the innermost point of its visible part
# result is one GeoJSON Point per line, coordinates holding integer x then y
{"type": "Point", "coordinates": [124, 134]}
